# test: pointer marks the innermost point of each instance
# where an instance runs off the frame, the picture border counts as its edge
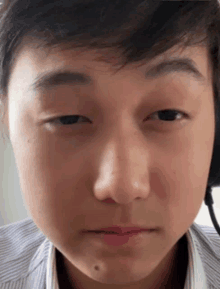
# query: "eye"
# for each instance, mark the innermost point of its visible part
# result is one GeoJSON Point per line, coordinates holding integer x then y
{"type": "Point", "coordinates": [170, 114]}
{"type": "Point", "coordinates": [70, 120]}
{"type": "Point", "coordinates": [165, 115]}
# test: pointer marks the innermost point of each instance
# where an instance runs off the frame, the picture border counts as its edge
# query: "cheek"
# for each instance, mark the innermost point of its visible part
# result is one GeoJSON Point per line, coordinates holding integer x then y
{"type": "Point", "coordinates": [181, 188]}
{"type": "Point", "coordinates": [47, 177]}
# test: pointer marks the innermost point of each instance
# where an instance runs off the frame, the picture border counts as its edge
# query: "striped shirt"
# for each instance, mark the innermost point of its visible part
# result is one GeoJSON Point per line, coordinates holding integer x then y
{"type": "Point", "coordinates": [27, 258]}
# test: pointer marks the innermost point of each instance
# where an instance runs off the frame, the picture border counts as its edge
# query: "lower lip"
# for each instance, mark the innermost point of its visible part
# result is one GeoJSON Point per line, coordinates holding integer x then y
{"type": "Point", "coordinates": [121, 239]}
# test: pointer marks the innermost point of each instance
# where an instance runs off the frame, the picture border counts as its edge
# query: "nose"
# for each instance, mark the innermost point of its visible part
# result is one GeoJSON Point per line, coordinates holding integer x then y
{"type": "Point", "coordinates": [123, 170]}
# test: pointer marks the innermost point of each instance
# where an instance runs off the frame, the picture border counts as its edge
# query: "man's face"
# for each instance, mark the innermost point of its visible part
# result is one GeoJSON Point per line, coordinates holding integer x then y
{"type": "Point", "coordinates": [121, 162]}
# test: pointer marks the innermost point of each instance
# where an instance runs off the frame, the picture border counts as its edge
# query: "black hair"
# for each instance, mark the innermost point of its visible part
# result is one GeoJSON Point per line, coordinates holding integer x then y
{"type": "Point", "coordinates": [139, 30]}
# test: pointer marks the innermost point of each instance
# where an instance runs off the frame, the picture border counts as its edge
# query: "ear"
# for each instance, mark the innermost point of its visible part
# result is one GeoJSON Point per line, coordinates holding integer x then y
{"type": "Point", "coordinates": [4, 113]}
{"type": "Point", "coordinates": [5, 119]}
{"type": "Point", "coordinates": [5, 3]}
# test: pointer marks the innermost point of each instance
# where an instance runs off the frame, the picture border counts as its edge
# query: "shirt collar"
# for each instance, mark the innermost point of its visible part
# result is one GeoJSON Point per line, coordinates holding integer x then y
{"type": "Point", "coordinates": [195, 277]}
{"type": "Point", "coordinates": [51, 279]}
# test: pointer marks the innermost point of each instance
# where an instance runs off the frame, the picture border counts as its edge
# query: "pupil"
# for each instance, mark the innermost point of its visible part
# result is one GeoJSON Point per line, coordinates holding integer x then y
{"type": "Point", "coordinates": [69, 119]}
{"type": "Point", "coordinates": [167, 114]}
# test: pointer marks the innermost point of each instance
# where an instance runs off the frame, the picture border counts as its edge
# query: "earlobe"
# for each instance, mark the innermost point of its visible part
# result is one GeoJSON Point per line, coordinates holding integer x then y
{"type": "Point", "coordinates": [4, 114]}
{"type": "Point", "coordinates": [4, 121]}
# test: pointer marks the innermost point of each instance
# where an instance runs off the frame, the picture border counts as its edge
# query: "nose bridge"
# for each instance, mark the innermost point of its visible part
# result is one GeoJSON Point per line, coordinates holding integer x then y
{"type": "Point", "coordinates": [127, 153]}
{"type": "Point", "coordinates": [123, 168]}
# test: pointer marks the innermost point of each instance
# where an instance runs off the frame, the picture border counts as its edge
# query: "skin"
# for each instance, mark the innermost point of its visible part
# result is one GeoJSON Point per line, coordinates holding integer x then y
{"type": "Point", "coordinates": [117, 169]}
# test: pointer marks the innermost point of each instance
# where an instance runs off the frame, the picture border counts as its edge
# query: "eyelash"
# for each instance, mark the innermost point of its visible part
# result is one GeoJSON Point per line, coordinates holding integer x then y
{"type": "Point", "coordinates": [56, 120]}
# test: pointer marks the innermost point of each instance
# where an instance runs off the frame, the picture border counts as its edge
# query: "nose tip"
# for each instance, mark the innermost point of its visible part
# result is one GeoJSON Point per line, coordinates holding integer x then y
{"type": "Point", "coordinates": [122, 175]}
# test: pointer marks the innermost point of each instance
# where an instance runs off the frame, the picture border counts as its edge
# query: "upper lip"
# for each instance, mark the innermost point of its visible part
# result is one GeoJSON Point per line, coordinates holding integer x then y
{"type": "Point", "coordinates": [119, 229]}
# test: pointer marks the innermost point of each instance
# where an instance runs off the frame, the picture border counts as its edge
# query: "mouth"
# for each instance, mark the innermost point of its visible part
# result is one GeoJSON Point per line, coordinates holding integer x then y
{"type": "Point", "coordinates": [119, 233]}
{"type": "Point", "coordinates": [135, 238]}
{"type": "Point", "coordinates": [106, 232]}
{"type": "Point", "coordinates": [112, 233]}
{"type": "Point", "coordinates": [119, 230]}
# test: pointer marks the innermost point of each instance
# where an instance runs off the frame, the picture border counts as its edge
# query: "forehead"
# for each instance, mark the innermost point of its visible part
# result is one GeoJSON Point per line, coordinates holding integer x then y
{"type": "Point", "coordinates": [32, 61]}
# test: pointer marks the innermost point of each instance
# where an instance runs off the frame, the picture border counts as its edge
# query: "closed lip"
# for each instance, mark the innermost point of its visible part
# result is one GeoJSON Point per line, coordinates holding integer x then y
{"type": "Point", "coordinates": [121, 230]}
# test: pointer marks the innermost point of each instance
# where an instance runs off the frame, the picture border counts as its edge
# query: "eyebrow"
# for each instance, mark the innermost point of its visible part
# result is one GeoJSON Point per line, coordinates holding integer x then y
{"type": "Point", "coordinates": [176, 65]}
{"type": "Point", "coordinates": [62, 76]}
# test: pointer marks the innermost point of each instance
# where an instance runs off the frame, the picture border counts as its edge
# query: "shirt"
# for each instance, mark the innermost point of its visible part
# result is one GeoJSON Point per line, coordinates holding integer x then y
{"type": "Point", "coordinates": [27, 257]}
